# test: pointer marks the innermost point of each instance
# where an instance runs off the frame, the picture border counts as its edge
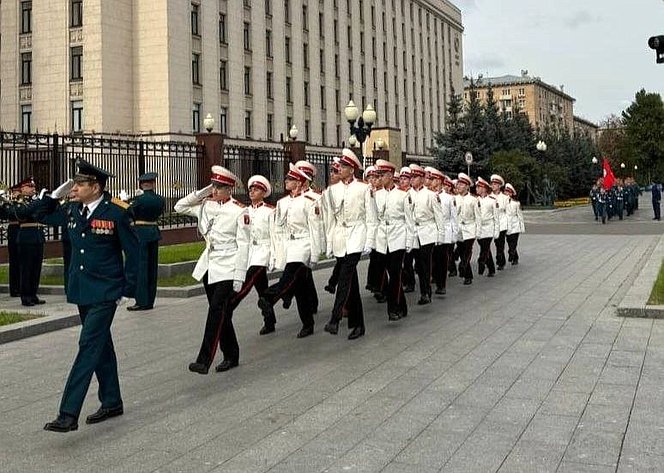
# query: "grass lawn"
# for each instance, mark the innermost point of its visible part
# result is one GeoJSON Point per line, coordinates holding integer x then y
{"type": "Point", "coordinates": [167, 254]}
{"type": "Point", "coordinates": [657, 294]}
{"type": "Point", "coordinates": [7, 318]}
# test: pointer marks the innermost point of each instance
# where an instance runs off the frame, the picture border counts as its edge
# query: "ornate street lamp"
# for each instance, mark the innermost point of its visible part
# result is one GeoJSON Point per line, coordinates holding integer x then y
{"type": "Point", "coordinates": [208, 123]}
{"type": "Point", "coordinates": [541, 146]}
{"type": "Point", "coordinates": [293, 133]}
{"type": "Point", "coordinates": [594, 160]}
{"type": "Point", "coordinates": [360, 125]}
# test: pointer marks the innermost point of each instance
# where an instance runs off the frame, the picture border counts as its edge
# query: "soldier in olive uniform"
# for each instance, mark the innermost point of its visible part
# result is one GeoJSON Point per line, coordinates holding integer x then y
{"type": "Point", "coordinates": [102, 273]}
{"type": "Point", "coordinates": [146, 209]}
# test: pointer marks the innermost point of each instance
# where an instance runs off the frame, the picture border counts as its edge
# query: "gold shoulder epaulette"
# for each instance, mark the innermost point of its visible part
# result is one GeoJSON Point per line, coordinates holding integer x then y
{"type": "Point", "coordinates": [309, 197]}
{"type": "Point", "coordinates": [239, 204]}
{"type": "Point", "coordinates": [120, 203]}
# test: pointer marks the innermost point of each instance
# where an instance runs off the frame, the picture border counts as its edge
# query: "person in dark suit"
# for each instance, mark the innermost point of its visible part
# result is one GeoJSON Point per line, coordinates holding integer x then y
{"type": "Point", "coordinates": [146, 208]}
{"type": "Point", "coordinates": [100, 278]}
{"type": "Point", "coordinates": [656, 199]}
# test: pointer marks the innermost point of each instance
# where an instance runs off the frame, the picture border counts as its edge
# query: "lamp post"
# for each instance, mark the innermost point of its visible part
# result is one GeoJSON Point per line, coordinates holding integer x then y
{"type": "Point", "coordinates": [208, 123]}
{"type": "Point", "coordinates": [360, 125]}
{"type": "Point", "coordinates": [293, 133]}
{"type": "Point", "coordinates": [622, 170]}
{"type": "Point", "coordinates": [468, 157]}
{"type": "Point", "coordinates": [594, 161]}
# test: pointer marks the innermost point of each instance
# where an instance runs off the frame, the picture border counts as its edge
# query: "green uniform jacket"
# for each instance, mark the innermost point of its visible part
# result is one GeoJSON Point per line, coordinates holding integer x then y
{"type": "Point", "coordinates": [21, 210]}
{"type": "Point", "coordinates": [147, 207]}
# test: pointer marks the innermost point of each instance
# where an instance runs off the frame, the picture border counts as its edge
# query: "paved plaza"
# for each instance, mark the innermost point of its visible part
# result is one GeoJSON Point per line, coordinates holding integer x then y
{"type": "Point", "coordinates": [528, 371]}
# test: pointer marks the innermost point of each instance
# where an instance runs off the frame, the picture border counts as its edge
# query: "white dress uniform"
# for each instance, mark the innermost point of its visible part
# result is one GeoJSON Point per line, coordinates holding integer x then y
{"type": "Point", "coordinates": [297, 235]}
{"type": "Point", "coordinates": [427, 217]}
{"type": "Point", "coordinates": [468, 217]}
{"type": "Point", "coordinates": [226, 228]}
{"type": "Point", "coordinates": [395, 224]}
{"type": "Point", "coordinates": [502, 200]}
{"type": "Point", "coordinates": [515, 222]}
{"type": "Point", "coordinates": [489, 224]}
{"type": "Point", "coordinates": [450, 227]}
{"type": "Point", "coordinates": [262, 227]}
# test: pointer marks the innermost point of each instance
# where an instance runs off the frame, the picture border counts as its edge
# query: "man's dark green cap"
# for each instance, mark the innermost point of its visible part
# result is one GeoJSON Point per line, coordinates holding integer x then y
{"type": "Point", "coordinates": [88, 172]}
{"type": "Point", "coordinates": [148, 176]}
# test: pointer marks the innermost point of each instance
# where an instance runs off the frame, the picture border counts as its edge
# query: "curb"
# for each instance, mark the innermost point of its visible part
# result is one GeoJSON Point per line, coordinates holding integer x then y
{"type": "Point", "coordinates": [635, 302]}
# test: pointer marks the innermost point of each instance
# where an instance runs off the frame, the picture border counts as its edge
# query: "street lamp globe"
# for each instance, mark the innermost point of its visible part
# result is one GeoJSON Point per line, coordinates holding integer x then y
{"type": "Point", "coordinates": [380, 143]}
{"type": "Point", "coordinates": [208, 123]}
{"type": "Point", "coordinates": [636, 168]}
{"type": "Point", "coordinates": [293, 133]}
{"type": "Point", "coordinates": [352, 141]}
{"type": "Point", "coordinates": [351, 112]}
{"type": "Point", "coordinates": [369, 115]}
{"type": "Point", "coordinates": [594, 160]}
{"type": "Point", "coordinates": [541, 146]}
{"type": "Point", "coordinates": [622, 165]}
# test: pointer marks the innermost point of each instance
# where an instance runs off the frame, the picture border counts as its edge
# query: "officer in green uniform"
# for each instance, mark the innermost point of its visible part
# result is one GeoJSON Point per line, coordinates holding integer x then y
{"type": "Point", "coordinates": [99, 279]}
{"type": "Point", "coordinates": [146, 209]}
{"type": "Point", "coordinates": [12, 248]}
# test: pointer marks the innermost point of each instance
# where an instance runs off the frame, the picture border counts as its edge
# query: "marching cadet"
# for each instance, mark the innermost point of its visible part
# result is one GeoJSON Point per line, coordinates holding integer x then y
{"type": "Point", "coordinates": [12, 244]}
{"type": "Point", "coordinates": [225, 225]}
{"type": "Point", "coordinates": [351, 226]}
{"type": "Point", "coordinates": [296, 248]}
{"type": "Point", "coordinates": [497, 183]}
{"type": "Point", "coordinates": [102, 274]}
{"type": "Point", "coordinates": [146, 208]}
{"type": "Point", "coordinates": [262, 225]}
{"type": "Point", "coordinates": [468, 209]}
{"type": "Point", "coordinates": [488, 228]}
{"type": "Point", "coordinates": [376, 269]}
{"type": "Point", "coordinates": [394, 237]}
{"type": "Point", "coordinates": [428, 220]}
{"type": "Point", "coordinates": [515, 224]}
{"type": "Point", "coordinates": [443, 252]}
{"type": "Point", "coordinates": [30, 241]}
{"type": "Point", "coordinates": [408, 273]}
{"type": "Point", "coordinates": [456, 249]}
{"type": "Point", "coordinates": [335, 167]}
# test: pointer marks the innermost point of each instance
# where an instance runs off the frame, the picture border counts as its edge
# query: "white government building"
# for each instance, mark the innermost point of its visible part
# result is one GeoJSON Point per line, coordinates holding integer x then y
{"type": "Point", "coordinates": [258, 66]}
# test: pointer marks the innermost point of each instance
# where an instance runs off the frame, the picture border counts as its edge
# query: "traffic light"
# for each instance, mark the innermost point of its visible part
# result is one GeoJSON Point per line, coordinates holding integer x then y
{"type": "Point", "coordinates": [657, 43]}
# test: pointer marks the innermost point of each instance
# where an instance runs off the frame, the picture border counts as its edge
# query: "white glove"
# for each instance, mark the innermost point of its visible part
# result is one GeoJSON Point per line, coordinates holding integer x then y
{"type": "Point", "coordinates": [138, 192]}
{"type": "Point", "coordinates": [41, 194]}
{"type": "Point", "coordinates": [63, 190]}
{"type": "Point", "coordinates": [124, 197]}
{"type": "Point", "coordinates": [408, 249]}
{"type": "Point", "coordinates": [237, 285]}
{"type": "Point", "coordinates": [122, 301]}
{"type": "Point", "coordinates": [204, 192]}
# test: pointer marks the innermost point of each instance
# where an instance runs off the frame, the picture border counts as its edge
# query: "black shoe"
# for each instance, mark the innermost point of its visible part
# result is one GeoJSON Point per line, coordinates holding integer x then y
{"type": "Point", "coordinates": [424, 300]}
{"type": "Point", "coordinates": [480, 268]}
{"type": "Point", "coordinates": [332, 328]}
{"type": "Point", "coordinates": [139, 307]}
{"type": "Point", "coordinates": [441, 291]}
{"type": "Point", "coordinates": [467, 282]}
{"type": "Point", "coordinates": [380, 297]}
{"type": "Point", "coordinates": [357, 332]}
{"type": "Point", "coordinates": [500, 268]}
{"type": "Point", "coordinates": [409, 289]}
{"type": "Point", "coordinates": [491, 275]}
{"type": "Point", "coordinates": [305, 332]}
{"type": "Point", "coordinates": [393, 316]}
{"type": "Point", "coordinates": [330, 289]}
{"type": "Point", "coordinates": [38, 301]}
{"type": "Point", "coordinates": [452, 274]}
{"type": "Point", "coordinates": [286, 303]}
{"type": "Point", "coordinates": [515, 262]}
{"type": "Point", "coordinates": [226, 365]}
{"type": "Point", "coordinates": [267, 328]}
{"type": "Point", "coordinates": [27, 303]}
{"type": "Point", "coordinates": [103, 414]}
{"type": "Point", "coordinates": [199, 368]}
{"type": "Point", "coordinates": [369, 288]}
{"type": "Point", "coordinates": [63, 423]}
{"type": "Point", "coordinates": [14, 294]}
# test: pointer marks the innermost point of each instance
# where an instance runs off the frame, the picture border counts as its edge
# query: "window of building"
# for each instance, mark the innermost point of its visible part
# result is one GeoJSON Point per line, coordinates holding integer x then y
{"type": "Point", "coordinates": [305, 17]}
{"type": "Point", "coordinates": [195, 12]}
{"type": "Point", "coordinates": [373, 16]}
{"type": "Point", "coordinates": [26, 118]}
{"type": "Point", "coordinates": [336, 65]}
{"type": "Point", "coordinates": [196, 69]}
{"type": "Point", "coordinates": [336, 31]}
{"type": "Point", "coordinates": [323, 133]}
{"type": "Point", "coordinates": [76, 59]}
{"type": "Point", "coordinates": [247, 3]}
{"type": "Point", "coordinates": [287, 10]}
{"type": "Point", "coordinates": [247, 80]}
{"type": "Point", "coordinates": [247, 124]}
{"type": "Point", "coordinates": [321, 60]}
{"type": "Point", "coordinates": [268, 7]}
{"type": "Point", "coordinates": [349, 34]}
{"type": "Point", "coordinates": [322, 97]}
{"type": "Point", "coordinates": [350, 69]}
{"type": "Point", "coordinates": [306, 93]}
{"type": "Point", "coordinates": [223, 121]}
{"type": "Point", "coordinates": [338, 133]}
{"type": "Point", "coordinates": [196, 118]}
{"type": "Point", "coordinates": [270, 126]}
{"type": "Point", "coordinates": [321, 25]}
{"type": "Point", "coordinates": [289, 91]}
{"type": "Point", "coordinates": [76, 13]}
{"type": "Point", "coordinates": [222, 28]}
{"type": "Point", "coordinates": [26, 17]}
{"type": "Point", "coordinates": [288, 51]}
{"type": "Point", "coordinates": [268, 84]}
{"type": "Point", "coordinates": [307, 129]}
{"type": "Point", "coordinates": [247, 36]}
{"type": "Point", "coordinates": [289, 123]}
{"type": "Point", "coordinates": [268, 43]}
{"type": "Point", "coordinates": [77, 116]}
{"type": "Point", "coordinates": [223, 75]}
{"type": "Point", "coordinates": [26, 68]}
{"type": "Point", "coordinates": [305, 54]}
{"type": "Point", "coordinates": [362, 41]}
{"type": "Point", "coordinates": [361, 11]}
{"type": "Point", "coordinates": [336, 100]}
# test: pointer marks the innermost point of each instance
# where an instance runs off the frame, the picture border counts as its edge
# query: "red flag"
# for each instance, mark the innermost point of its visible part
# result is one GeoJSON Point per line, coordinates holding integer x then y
{"type": "Point", "coordinates": [609, 178]}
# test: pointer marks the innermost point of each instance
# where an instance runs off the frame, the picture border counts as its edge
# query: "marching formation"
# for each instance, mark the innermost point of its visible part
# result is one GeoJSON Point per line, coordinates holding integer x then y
{"type": "Point", "coordinates": [412, 222]}
{"type": "Point", "coordinates": [621, 199]}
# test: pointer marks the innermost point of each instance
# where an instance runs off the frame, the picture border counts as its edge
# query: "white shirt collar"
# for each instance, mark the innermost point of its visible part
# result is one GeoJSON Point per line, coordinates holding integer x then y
{"type": "Point", "coordinates": [93, 205]}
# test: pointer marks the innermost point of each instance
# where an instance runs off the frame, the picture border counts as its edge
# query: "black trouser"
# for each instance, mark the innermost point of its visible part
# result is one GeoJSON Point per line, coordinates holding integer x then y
{"type": "Point", "coordinates": [396, 301]}
{"type": "Point", "coordinates": [334, 277]}
{"type": "Point", "coordinates": [423, 257]}
{"type": "Point", "coordinates": [312, 294]}
{"type": "Point", "coordinates": [656, 208]}
{"type": "Point", "coordinates": [454, 255]}
{"type": "Point", "coordinates": [500, 248]}
{"type": "Point", "coordinates": [31, 256]}
{"type": "Point", "coordinates": [441, 261]}
{"type": "Point", "coordinates": [374, 272]}
{"type": "Point", "coordinates": [146, 287]}
{"type": "Point", "coordinates": [347, 298]}
{"type": "Point", "coordinates": [14, 260]}
{"type": "Point", "coordinates": [485, 259]}
{"type": "Point", "coordinates": [512, 241]}
{"type": "Point", "coordinates": [465, 255]}
{"type": "Point", "coordinates": [219, 326]}
{"type": "Point", "coordinates": [293, 283]}
{"type": "Point", "coordinates": [257, 278]}
{"type": "Point", "coordinates": [380, 269]}
{"type": "Point", "coordinates": [408, 276]}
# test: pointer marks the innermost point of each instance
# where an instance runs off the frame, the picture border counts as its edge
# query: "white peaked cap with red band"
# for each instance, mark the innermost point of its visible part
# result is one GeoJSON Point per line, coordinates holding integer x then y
{"type": "Point", "coordinates": [295, 173]}
{"type": "Point", "coordinates": [405, 172]}
{"type": "Point", "coordinates": [221, 175]}
{"type": "Point", "coordinates": [260, 182]}
{"type": "Point", "coordinates": [335, 163]}
{"type": "Point", "coordinates": [435, 173]}
{"type": "Point", "coordinates": [348, 158]}
{"type": "Point", "coordinates": [369, 171]}
{"type": "Point", "coordinates": [384, 165]}
{"type": "Point", "coordinates": [465, 178]}
{"type": "Point", "coordinates": [496, 179]}
{"type": "Point", "coordinates": [510, 188]}
{"type": "Point", "coordinates": [483, 183]}
{"type": "Point", "coordinates": [447, 181]}
{"type": "Point", "coordinates": [429, 169]}
{"type": "Point", "coordinates": [306, 167]}
{"type": "Point", "coordinates": [416, 170]}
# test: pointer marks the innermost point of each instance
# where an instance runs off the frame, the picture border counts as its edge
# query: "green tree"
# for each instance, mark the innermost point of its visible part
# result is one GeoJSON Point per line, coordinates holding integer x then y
{"type": "Point", "coordinates": [644, 133]}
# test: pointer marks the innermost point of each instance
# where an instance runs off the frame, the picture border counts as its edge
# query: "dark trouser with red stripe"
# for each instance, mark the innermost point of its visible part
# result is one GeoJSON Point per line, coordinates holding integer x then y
{"type": "Point", "coordinates": [380, 268]}
{"type": "Point", "coordinates": [347, 298]}
{"type": "Point", "coordinates": [454, 255]}
{"type": "Point", "coordinates": [334, 277]}
{"type": "Point", "coordinates": [423, 257]}
{"type": "Point", "coordinates": [375, 271]}
{"type": "Point", "coordinates": [512, 241]}
{"type": "Point", "coordinates": [396, 301]}
{"type": "Point", "coordinates": [500, 249]}
{"type": "Point", "coordinates": [408, 276]}
{"type": "Point", "coordinates": [256, 278]}
{"type": "Point", "coordinates": [441, 257]}
{"type": "Point", "coordinates": [465, 254]}
{"type": "Point", "coordinates": [293, 283]}
{"type": "Point", "coordinates": [219, 326]}
{"type": "Point", "coordinates": [311, 291]}
{"type": "Point", "coordinates": [485, 259]}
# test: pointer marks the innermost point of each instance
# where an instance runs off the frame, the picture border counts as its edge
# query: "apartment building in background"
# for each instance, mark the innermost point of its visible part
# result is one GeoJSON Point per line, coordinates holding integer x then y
{"type": "Point", "coordinates": [543, 103]}
{"type": "Point", "coordinates": [258, 66]}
